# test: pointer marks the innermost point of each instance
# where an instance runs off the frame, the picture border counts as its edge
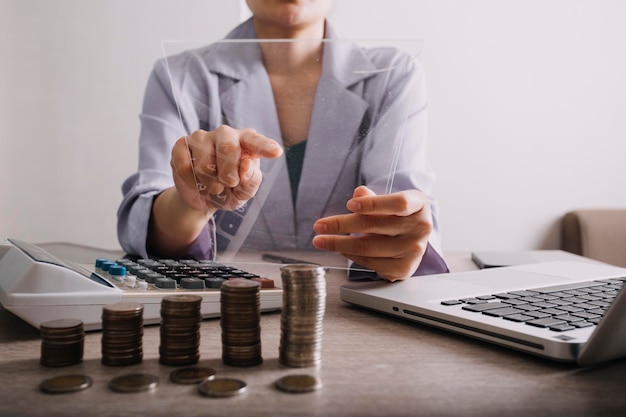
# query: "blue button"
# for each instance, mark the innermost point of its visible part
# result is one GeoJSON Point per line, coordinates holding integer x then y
{"type": "Point", "coordinates": [117, 270]}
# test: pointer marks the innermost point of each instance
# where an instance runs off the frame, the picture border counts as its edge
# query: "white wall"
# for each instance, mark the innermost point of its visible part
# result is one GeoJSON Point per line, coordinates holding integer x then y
{"type": "Point", "coordinates": [73, 76]}
{"type": "Point", "coordinates": [527, 118]}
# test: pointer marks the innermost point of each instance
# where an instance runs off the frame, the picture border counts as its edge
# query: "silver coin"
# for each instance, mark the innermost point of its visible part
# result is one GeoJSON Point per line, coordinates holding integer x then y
{"type": "Point", "coordinates": [134, 383]}
{"type": "Point", "coordinates": [65, 383]}
{"type": "Point", "coordinates": [222, 387]}
{"type": "Point", "coordinates": [298, 383]}
{"type": "Point", "coordinates": [192, 375]}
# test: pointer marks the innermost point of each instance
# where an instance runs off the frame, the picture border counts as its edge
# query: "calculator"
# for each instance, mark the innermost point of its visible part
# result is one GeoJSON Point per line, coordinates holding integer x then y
{"type": "Point", "coordinates": [38, 286]}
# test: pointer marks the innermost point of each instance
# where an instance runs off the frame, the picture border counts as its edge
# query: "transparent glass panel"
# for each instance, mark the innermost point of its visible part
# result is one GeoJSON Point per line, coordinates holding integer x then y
{"type": "Point", "coordinates": [359, 122]}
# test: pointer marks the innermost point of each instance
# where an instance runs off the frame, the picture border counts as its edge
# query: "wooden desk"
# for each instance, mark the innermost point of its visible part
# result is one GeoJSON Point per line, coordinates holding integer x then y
{"type": "Point", "coordinates": [373, 365]}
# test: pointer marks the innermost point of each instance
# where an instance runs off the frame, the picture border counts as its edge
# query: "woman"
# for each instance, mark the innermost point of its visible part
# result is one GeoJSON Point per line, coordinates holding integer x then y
{"type": "Point", "coordinates": [225, 94]}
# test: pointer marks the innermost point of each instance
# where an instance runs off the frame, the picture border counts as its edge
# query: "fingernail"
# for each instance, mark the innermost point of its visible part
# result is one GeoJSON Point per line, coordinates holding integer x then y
{"type": "Point", "coordinates": [274, 148]}
{"type": "Point", "coordinates": [354, 206]}
{"type": "Point", "coordinates": [319, 243]}
{"type": "Point", "coordinates": [321, 228]}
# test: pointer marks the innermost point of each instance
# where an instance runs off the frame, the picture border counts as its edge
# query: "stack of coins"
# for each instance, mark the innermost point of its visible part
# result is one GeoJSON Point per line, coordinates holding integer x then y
{"type": "Point", "coordinates": [180, 329]}
{"type": "Point", "coordinates": [62, 342]}
{"type": "Point", "coordinates": [241, 328]}
{"type": "Point", "coordinates": [302, 316]}
{"type": "Point", "coordinates": [122, 333]}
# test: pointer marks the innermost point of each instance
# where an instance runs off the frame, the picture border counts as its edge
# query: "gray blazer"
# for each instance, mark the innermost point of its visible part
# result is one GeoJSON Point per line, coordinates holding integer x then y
{"type": "Point", "coordinates": [368, 125]}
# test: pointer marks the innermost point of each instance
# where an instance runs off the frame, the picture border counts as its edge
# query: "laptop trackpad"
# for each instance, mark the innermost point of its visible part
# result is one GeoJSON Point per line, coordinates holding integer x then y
{"type": "Point", "coordinates": [494, 280]}
{"type": "Point", "coordinates": [526, 277]}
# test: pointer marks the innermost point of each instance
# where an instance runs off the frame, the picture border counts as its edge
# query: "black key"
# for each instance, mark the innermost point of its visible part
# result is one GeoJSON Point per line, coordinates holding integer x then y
{"type": "Point", "coordinates": [582, 324]}
{"type": "Point", "coordinates": [451, 302]}
{"type": "Point", "coordinates": [576, 292]}
{"type": "Point", "coordinates": [520, 318]}
{"type": "Point", "coordinates": [477, 308]}
{"type": "Point", "coordinates": [544, 305]}
{"type": "Point", "coordinates": [135, 269]}
{"type": "Point", "coordinates": [562, 327]}
{"type": "Point", "coordinates": [553, 311]}
{"type": "Point", "coordinates": [537, 314]}
{"type": "Point", "coordinates": [152, 277]}
{"type": "Point", "coordinates": [226, 268]}
{"type": "Point", "coordinates": [214, 282]}
{"type": "Point", "coordinates": [578, 300]}
{"type": "Point", "coordinates": [178, 277]}
{"type": "Point", "coordinates": [183, 269]}
{"type": "Point", "coordinates": [501, 312]}
{"type": "Point", "coordinates": [486, 297]}
{"type": "Point", "coordinates": [585, 315]}
{"type": "Point", "coordinates": [546, 297]}
{"type": "Point", "coordinates": [530, 299]}
{"type": "Point", "coordinates": [472, 300]}
{"type": "Point", "coordinates": [523, 293]}
{"type": "Point", "coordinates": [585, 306]}
{"type": "Point", "coordinates": [515, 301]}
{"type": "Point", "coordinates": [528, 307]}
{"type": "Point", "coordinates": [598, 311]}
{"type": "Point", "coordinates": [172, 263]}
{"type": "Point", "coordinates": [569, 309]}
{"type": "Point", "coordinates": [559, 294]}
{"type": "Point", "coordinates": [561, 302]}
{"type": "Point", "coordinates": [190, 262]}
{"type": "Point", "coordinates": [162, 269]}
{"type": "Point", "coordinates": [590, 297]}
{"type": "Point", "coordinates": [142, 272]}
{"type": "Point", "coordinates": [192, 283]}
{"type": "Point", "coordinates": [591, 290]}
{"type": "Point", "coordinates": [505, 296]}
{"type": "Point", "coordinates": [600, 303]}
{"type": "Point", "coordinates": [148, 263]}
{"type": "Point", "coordinates": [568, 318]}
{"type": "Point", "coordinates": [547, 322]}
{"type": "Point", "coordinates": [165, 283]}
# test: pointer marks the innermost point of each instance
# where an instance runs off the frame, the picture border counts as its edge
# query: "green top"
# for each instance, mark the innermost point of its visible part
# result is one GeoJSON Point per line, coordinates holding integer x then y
{"type": "Point", "coordinates": [295, 158]}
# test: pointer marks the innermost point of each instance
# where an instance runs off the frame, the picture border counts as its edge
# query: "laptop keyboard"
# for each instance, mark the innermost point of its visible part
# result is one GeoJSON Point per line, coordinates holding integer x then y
{"type": "Point", "coordinates": [559, 308]}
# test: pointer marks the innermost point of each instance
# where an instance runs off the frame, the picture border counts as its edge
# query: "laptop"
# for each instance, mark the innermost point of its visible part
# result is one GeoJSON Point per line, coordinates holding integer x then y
{"type": "Point", "coordinates": [567, 311]}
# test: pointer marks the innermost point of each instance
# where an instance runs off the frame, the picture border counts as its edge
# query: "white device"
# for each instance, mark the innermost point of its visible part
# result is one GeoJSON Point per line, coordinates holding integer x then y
{"type": "Point", "coordinates": [566, 311]}
{"type": "Point", "coordinates": [37, 287]}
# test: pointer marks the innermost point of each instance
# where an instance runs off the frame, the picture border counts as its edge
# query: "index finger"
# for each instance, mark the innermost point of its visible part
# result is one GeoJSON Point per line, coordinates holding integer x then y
{"type": "Point", "coordinates": [402, 203]}
{"type": "Point", "coordinates": [258, 145]}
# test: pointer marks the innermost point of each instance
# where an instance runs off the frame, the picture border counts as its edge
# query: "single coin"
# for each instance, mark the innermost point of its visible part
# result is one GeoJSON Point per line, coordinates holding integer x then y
{"type": "Point", "coordinates": [222, 387]}
{"type": "Point", "coordinates": [192, 375]}
{"type": "Point", "coordinates": [123, 308]}
{"type": "Point", "coordinates": [65, 383]}
{"type": "Point", "coordinates": [298, 383]}
{"type": "Point", "coordinates": [133, 383]}
{"type": "Point", "coordinates": [62, 324]}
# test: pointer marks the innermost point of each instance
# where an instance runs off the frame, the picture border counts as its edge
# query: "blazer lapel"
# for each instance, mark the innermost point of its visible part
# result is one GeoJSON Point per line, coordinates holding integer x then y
{"type": "Point", "coordinates": [338, 113]}
{"type": "Point", "coordinates": [249, 103]}
{"type": "Point", "coordinates": [339, 109]}
{"type": "Point", "coordinates": [335, 123]}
